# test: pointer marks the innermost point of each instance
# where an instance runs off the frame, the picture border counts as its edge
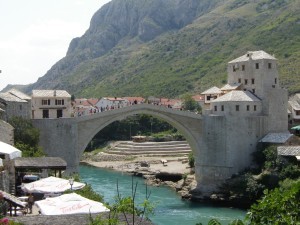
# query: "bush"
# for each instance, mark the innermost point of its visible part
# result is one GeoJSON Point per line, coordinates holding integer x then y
{"type": "Point", "coordinates": [26, 137]}
{"type": "Point", "coordinates": [191, 160]}
{"type": "Point", "coordinates": [279, 206]}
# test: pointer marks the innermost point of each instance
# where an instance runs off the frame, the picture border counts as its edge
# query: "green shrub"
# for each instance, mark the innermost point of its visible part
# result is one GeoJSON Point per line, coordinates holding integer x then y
{"type": "Point", "coordinates": [191, 160]}
{"type": "Point", "coordinates": [279, 206]}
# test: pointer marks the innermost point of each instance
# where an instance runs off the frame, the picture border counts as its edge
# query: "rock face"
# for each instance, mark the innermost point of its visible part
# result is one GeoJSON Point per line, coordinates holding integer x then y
{"type": "Point", "coordinates": [122, 22]}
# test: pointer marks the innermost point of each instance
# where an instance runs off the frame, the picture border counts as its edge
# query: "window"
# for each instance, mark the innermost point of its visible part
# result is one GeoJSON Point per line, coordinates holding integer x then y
{"type": "Point", "coordinates": [237, 108]}
{"type": "Point", "coordinates": [240, 80]}
{"type": "Point", "coordinates": [297, 112]}
{"type": "Point", "coordinates": [59, 102]}
{"type": "Point", "coordinates": [275, 80]}
{"type": "Point", "coordinates": [254, 107]}
{"type": "Point", "coordinates": [45, 101]}
{"type": "Point", "coordinates": [246, 81]}
{"type": "Point", "coordinates": [59, 113]}
{"type": "Point", "coordinates": [222, 107]}
{"type": "Point", "coordinates": [248, 107]}
{"type": "Point", "coordinates": [257, 66]}
{"type": "Point", "coordinates": [20, 107]}
{"type": "Point", "coordinates": [243, 67]}
{"type": "Point", "coordinates": [207, 98]}
{"type": "Point", "coordinates": [216, 108]}
{"type": "Point", "coordinates": [253, 91]}
{"type": "Point", "coordinates": [45, 113]}
{"type": "Point", "coordinates": [252, 81]}
{"type": "Point", "coordinates": [270, 65]}
{"type": "Point", "coordinates": [233, 69]}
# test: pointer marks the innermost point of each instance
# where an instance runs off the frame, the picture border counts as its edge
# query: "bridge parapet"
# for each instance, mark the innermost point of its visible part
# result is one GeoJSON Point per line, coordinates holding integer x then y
{"type": "Point", "coordinates": [140, 107]}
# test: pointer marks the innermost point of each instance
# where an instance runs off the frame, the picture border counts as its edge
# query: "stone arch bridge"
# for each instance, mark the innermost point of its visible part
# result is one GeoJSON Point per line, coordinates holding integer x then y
{"type": "Point", "coordinates": [214, 144]}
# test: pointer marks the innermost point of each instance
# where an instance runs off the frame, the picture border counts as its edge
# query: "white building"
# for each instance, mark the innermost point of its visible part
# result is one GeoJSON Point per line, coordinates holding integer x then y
{"type": "Point", "coordinates": [50, 104]}
{"type": "Point", "coordinates": [108, 103]}
{"type": "Point", "coordinates": [253, 90]}
{"type": "Point", "coordinates": [294, 109]}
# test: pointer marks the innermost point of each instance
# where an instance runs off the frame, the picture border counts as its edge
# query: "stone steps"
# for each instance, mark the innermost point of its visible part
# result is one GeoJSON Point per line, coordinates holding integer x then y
{"type": "Point", "coordinates": [171, 148]}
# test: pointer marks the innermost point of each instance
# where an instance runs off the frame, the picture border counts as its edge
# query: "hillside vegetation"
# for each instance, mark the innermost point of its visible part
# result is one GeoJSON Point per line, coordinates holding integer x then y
{"type": "Point", "coordinates": [172, 47]}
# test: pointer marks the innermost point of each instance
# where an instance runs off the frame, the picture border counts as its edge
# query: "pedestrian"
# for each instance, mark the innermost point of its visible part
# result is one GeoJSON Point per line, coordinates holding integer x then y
{"type": "Point", "coordinates": [30, 202]}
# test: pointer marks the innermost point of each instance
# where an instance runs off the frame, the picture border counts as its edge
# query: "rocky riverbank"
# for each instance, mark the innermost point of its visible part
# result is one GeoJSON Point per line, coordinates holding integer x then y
{"type": "Point", "coordinates": [171, 171]}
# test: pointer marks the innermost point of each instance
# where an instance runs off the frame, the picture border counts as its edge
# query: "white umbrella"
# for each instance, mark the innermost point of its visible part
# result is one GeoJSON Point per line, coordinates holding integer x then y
{"type": "Point", "coordinates": [69, 204]}
{"type": "Point", "coordinates": [51, 185]}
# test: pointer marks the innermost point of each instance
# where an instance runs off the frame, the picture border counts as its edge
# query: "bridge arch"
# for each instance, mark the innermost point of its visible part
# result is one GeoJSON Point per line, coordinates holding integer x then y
{"type": "Point", "coordinates": [88, 128]}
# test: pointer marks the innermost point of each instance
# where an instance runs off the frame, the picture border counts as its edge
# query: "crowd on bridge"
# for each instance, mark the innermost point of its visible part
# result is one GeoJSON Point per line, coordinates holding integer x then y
{"type": "Point", "coordinates": [83, 107]}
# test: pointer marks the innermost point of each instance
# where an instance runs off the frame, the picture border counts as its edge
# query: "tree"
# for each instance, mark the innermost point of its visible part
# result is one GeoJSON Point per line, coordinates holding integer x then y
{"type": "Point", "coordinates": [190, 104]}
{"type": "Point", "coordinates": [279, 206]}
{"type": "Point", "coordinates": [26, 137]}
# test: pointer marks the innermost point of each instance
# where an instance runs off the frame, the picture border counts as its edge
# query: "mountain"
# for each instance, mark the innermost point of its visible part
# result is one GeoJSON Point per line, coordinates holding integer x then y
{"type": "Point", "coordinates": [171, 47]}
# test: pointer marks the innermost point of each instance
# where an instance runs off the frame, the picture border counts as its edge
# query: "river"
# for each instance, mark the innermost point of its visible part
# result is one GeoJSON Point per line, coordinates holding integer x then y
{"type": "Point", "coordinates": [169, 207]}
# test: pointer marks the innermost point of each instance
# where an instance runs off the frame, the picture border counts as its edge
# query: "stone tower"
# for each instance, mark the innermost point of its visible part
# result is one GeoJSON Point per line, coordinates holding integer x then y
{"type": "Point", "coordinates": [257, 72]}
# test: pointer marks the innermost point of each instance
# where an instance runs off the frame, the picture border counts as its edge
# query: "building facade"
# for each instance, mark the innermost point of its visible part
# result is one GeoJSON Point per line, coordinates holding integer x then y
{"type": "Point", "coordinates": [15, 104]}
{"type": "Point", "coordinates": [50, 104]}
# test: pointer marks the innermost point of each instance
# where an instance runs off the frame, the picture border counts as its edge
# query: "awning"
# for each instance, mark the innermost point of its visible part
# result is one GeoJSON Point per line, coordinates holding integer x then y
{"type": "Point", "coordinates": [69, 204]}
{"type": "Point", "coordinates": [10, 150]}
{"type": "Point", "coordinates": [51, 185]}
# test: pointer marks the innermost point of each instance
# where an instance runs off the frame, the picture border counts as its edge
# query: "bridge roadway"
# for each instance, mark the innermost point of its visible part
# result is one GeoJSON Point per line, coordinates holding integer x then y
{"type": "Point", "coordinates": [68, 137]}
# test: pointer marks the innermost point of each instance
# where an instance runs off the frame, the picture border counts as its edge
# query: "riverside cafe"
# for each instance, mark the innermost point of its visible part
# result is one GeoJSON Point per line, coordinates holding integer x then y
{"type": "Point", "coordinates": [30, 169]}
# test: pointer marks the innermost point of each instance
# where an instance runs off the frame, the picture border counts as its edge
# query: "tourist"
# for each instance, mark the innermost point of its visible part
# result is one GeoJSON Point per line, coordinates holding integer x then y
{"type": "Point", "coordinates": [30, 202]}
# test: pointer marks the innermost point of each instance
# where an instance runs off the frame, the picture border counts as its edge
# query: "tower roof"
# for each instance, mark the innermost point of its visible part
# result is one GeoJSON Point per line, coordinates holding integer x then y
{"type": "Point", "coordinates": [237, 96]}
{"type": "Point", "coordinates": [253, 55]}
{"type": "Point", "coordinates": [213, 90]}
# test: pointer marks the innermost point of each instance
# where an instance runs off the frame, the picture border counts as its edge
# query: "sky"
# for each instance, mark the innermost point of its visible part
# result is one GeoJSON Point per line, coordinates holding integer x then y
{"type": "Point", "coordinates": [35, 34]}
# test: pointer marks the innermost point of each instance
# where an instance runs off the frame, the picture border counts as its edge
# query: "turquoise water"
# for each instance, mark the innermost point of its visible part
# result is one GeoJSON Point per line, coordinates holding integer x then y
{"type": "Point", "coordinates": [170, 209]}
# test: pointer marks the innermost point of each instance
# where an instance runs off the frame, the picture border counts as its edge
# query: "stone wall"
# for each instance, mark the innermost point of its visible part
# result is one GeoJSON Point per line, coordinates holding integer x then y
{"type": "Point", "coordinates": [4, 181]}
{"type": "Point", "coordinates": [6, 133]}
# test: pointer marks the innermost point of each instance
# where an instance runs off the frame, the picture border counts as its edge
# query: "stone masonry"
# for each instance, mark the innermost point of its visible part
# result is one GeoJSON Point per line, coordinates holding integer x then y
{"type": "Point", "coordinates": [222, 139]}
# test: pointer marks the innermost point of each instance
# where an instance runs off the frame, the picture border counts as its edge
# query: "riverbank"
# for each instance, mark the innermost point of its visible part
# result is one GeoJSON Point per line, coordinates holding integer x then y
{"type": "Point", "coordinates": [172, 171]}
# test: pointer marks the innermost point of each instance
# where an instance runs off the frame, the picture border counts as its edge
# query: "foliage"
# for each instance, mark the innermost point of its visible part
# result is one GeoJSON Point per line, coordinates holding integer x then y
{"type": "Point", "coordinates": [127, 207]}
{"type": "Point", "coordinates": [29, 151]}
{"type": "Point", "coordinates": [191, 160]}
{"type": "Point", "coordinates": [8, 221]}
{"type": "Point", "coordinates": [87, 191]}
{"type": "Point", "coordinates": [141, 124]}
{"type": "Point", "coordinates": [279, 206]}
{"type": "Point", "coordinates": [216, 222]}
{"type": "Point", "coordinates": [182, 60]}
{"type": "Point", "coordinates": [24, 131]}
{"type": "Point", "coordinates": [26, 137]}
{"type": "Point", "coordinates": [190, 104]}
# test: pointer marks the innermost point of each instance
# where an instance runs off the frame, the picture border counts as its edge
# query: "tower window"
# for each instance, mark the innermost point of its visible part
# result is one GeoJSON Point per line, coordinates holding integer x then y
{"type": "Point", "coordinates": [237, 108]}
{"type": "Point", "coordinates": [253, 91]}
{"type": "Point", "coordinates": [275, 80]}
{"type": "Point", "coordinates": [254, 107]}
{"type": "Point", "coordinates": [252, 80]}
{"type": "Point", "coordinates": [216, 108]}
{"type": "Point", "coordinates": [243, 67]}
{"type": "Point", "coordinates": [246, 81]}
{"type": "Point", "coordinates": [257, 66]}
{"type": "Point", "coordinates": [270, 65]}
{"type": "Point", "coordinates": [222, 107]}
{"type": "Point", "coordinates": [233, 69]}
{"type": "Point", "coordinates": [240, 80]}
{"type": "Point", "coordinates": [248, 107]}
